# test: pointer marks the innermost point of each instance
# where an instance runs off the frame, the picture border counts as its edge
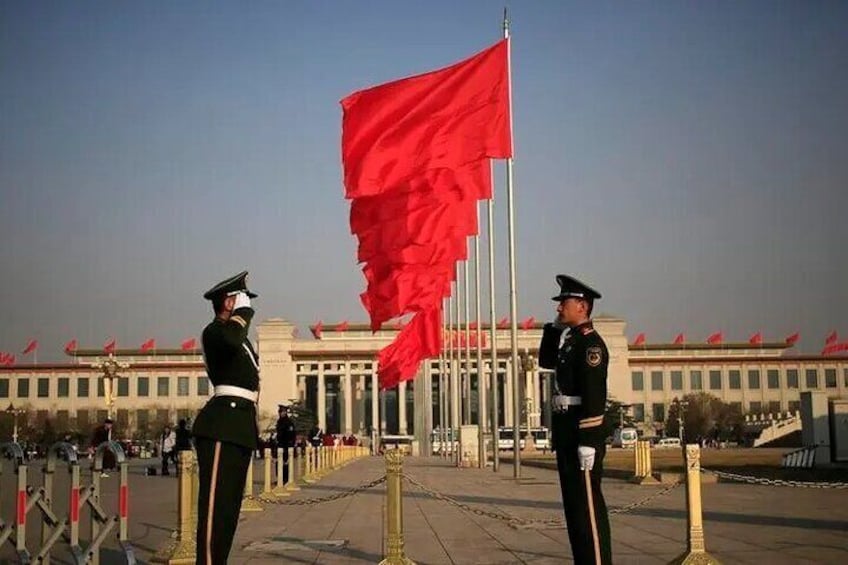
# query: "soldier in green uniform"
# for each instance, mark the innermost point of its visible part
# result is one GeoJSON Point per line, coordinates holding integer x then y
{"type": "Point", "coordinates": [572, 347]}
{"type": "Point", "coordinates": [225, 430]}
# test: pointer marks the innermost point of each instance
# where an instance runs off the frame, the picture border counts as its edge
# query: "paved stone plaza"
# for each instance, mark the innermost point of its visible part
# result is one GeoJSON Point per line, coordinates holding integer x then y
{"type": "Point", "coordinates": [743, 523]}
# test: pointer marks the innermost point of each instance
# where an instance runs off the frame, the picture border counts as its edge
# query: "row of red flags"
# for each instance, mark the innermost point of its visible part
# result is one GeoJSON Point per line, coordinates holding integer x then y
{"type": "Point", "coordinates": [831, 342]}
{"type": "Point", "coordinates": [110, 346]}
{"type": "Point", "coordinates": [416, 155]}
{"type": "Point", "coordinates": [318, 328]}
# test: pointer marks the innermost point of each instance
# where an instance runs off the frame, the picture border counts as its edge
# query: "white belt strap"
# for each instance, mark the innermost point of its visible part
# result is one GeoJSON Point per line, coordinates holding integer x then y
{"type": "Point", "coordinates": [229, 390]}
{"type": "Point", "coordinates": [563, 401]}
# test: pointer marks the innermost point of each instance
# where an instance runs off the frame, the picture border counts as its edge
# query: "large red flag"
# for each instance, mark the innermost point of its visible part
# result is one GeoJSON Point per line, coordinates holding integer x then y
{"type": "Point", "coordinates": [110, 346]}
{"type": "Point", "coordinates": [715, 338]}
{"type": "Point", "coordinates": [317, 329]}
{"type": "Point", "coordinates": [418, 340]}
{"type": "Point", "coordinates": [756, 339]}
{"type": "Point", "coordinates": [831, 338]}
{"type": "Point", "coordinates": [148, 345]}
{"type": "Point", "coordinates": [189, 344]}
{"type": "Point", "coordinates": [793, 339]}
{"type": "Point", "coordinates": [640, 339]}
{"type": "Point", "coordinates": [31, 346]}
{"type": "Point", "coordinates": [71, 346]}
{"type": "Point", "coordinates": [446, 118]}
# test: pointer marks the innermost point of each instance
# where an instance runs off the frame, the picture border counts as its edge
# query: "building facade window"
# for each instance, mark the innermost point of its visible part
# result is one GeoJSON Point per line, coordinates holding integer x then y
{"type": "Point", "coordinates": [203, 386]}
{"type": "Point", "coordinates": [101, 391]}
{"type": "Point", "coordinates": [163, 385]}
{"type": "Point", "coordinates": [677, 380]}
{"type": "Point", "coordinates": [774, 406]}
{"type": "Point", "coordinates": [656, 380]}
{"type": "Point", "coordinates": [773, 378]}
{"type": "Point", "coordinates": [812, 378]}
{"type": "Point", "coordinates": [659, 412]}
{"type": "Point", "coordinates": [123, 386]}
{"type": "Point", "coordinates": [63, 387]}
{"type": "Point", "coordinates": [736, 406]}
{"type": "Point", "coordinates": [697, 380]}
{"type": "Point", "coordinates": [23, 388]}
{"type": "Point", "coordinates": [639, 412]}
{"type": "Point", "coordinates": [4, 388]}
{"type": "Point", "coordinates": [845, 377]}
{"type": "Point", "coordinates": [82, 387]}
{"type": "Point", "coordinates": [794, 405]}
{"type": "Point", "coordinates": [755, 407]}
{"type": "Point", "coordinates": [792, 378]}
{"type": "Point", "coordinates": [734, 379]}
{"type": "Point", "coordinates": [830, 378]}
{"type": "Point", "coordinates": [182, 386]}
{"type": "Point", "coordinates": [143, 386]}
{"type": "Point", "coordinates": [754, 379]}
{"type": "Point", "coordinates": [715, 380]}
{"type": "Point", "coordinates": [637, 379]}
{"type": "Point", "coordinates": [43, 388]}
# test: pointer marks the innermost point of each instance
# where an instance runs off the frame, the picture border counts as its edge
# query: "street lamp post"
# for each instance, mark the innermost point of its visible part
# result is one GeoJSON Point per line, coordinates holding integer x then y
{"type": "Point", "coordinates": [681, 406]}
{"type": "Point", "coordinates": [14, 413]}
{"type": "Point", "coordinates": [109, 368]}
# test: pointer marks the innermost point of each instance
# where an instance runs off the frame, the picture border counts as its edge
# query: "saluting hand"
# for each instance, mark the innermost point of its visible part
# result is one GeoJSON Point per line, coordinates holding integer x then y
{"type": "Point", "coordinates": [242, 301]}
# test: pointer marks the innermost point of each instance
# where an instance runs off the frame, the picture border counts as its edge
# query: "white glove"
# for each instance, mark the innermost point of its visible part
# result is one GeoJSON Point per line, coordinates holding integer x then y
{"type": "Point", "coordinates": [587, 457]}
{"type": "Point", "coordinates": [242, 301]}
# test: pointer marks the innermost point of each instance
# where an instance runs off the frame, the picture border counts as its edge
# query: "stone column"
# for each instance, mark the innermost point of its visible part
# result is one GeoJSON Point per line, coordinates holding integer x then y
{"type": "Point", "coordinates": [375, 401]}
{"type": "Point", "coordinates": [347, 390]}
{"type": "Point", "coordinates": [402, 408]}
{"type": "Point", "coordinates": [322, 398]}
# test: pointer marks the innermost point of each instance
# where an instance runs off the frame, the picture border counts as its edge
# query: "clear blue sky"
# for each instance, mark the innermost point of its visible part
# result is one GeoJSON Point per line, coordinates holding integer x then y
{"type": "Point", "coordinates": [688, 159]}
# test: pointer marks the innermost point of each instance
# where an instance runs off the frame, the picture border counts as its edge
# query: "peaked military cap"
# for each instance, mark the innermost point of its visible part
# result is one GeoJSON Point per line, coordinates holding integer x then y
{"type": "Point", "coordinates": [232, 285]}
{"type": "Point", "coordinates": [569, 287]}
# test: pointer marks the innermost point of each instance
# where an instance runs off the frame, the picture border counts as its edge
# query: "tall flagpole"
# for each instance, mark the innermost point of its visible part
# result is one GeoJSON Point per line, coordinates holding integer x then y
{"type": "Point", "coordinates": [493, 351]}
{"type": "Point", "coordinates": [456, 374]}
{"type": "Point", "coordinates": [513, 301]}
{"type": "Point", "coordinates": [449, 392]}
{"type": "Point", "coordinates": [466, 274]}
{"type": "Point", "coordinates": [481, 375]}
{"type": "Point", "coordinates": [443, 450]}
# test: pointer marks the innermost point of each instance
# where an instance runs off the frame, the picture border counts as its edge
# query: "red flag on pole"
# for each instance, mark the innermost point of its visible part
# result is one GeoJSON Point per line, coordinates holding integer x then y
{"type": "Point", "coordinates": [442, 119]}
{"type": "Point", "coordinates": [189, 344]}
{"type": "Point", "coordinates": [715, 338]}
{"type": "Point", "coordinates": [528, 323]}
{"type": "Point", "coordinates": [343, 326]}
{"type": "Point", "coordinates": [680, 339]}
{"type": "Point", "coordinates": [31, 346]}
{"type": "Point", "coordinates": [110, 346]}
{"type": "Point", "coordinates": [9, 360]}
{"type": "Point", "coordinates": [756, 339]}
{"type": "Point", "coordinates": [503, 323]}
{"type": "Point", "coordinates": [640, 339]}
{"type": "Point", "coordinates": [418, 340]}
{"type": "Point", "coordinates": [317, 329]}
{"type": "Point", "coordinates": [793, 339]}
{"type": "Point", "coordinates": [148, 345]}
{"type": "Point", "coordinates": [835, 348]}
{"type": "Point", "coordinates": [71, 346]}
{"type": "Point", "coordinates": [831, 338]}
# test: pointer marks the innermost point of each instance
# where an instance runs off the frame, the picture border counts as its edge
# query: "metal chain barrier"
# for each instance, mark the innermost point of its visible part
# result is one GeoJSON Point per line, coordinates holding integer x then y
{"type": "Point", "coordinates": [735, 477]}
{"type": "Point", "coordinates": [526, 523]}
{"type": "Point", "coordinates": [320, 500]}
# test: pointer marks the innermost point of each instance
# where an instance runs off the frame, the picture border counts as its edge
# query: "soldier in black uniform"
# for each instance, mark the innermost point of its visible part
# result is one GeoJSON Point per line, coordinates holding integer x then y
{"type": "Point", "coordinates": [286, 436]}
{"type": "Point", "coordinates": [225, 430]}
{"type": "Point", "coordinates": [572, 347]}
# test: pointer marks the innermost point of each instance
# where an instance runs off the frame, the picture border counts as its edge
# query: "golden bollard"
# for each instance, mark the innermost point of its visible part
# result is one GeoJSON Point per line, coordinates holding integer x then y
{"type": "Point", "coordinates": [268, 491]}
{"type": "Point", "coordinates": [394, 510]}
{"type": "Point", "coordinates": [181, 547]}
{"type": "Point", "coordinates": [248, 503]}
{"type": "Point", "coordinates": [282, 486]}
{"type": "Point", "coordinates": [294, 471]}
{"type": "Point", "coordinates": [308, 476]}
{"type": "Point", "coordinates": [643, 473]}
{"type": "Point", "coordinates": [696, 552]}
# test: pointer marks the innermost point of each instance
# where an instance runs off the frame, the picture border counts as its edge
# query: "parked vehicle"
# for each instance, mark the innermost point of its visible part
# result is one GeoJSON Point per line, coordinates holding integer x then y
{"type": "Point", "coordinates": [668, 442]}
{"type": "Point", "coordinates": [625, 438]}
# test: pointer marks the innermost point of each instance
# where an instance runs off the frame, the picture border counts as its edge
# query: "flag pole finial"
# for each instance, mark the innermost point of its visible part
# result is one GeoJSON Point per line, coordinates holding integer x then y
{"type": "Point", "coordinates": [505, 22]}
